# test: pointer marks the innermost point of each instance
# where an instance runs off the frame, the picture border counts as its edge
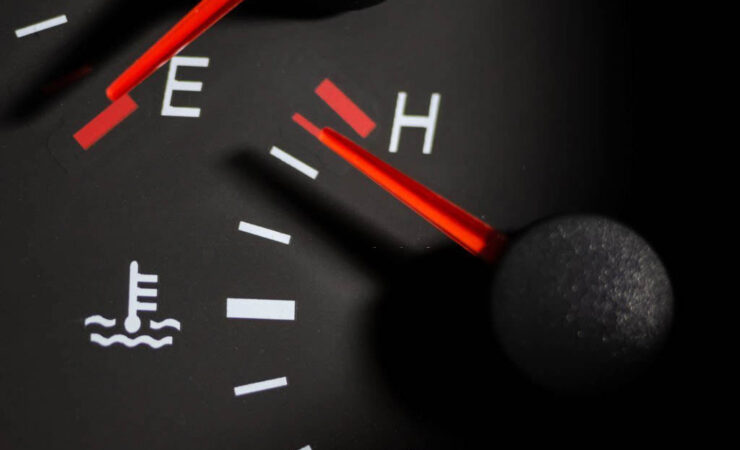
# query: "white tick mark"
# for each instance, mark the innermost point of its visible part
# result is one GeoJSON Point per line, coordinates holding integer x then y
{"type": "Point", "coordinates": [260, 386]}
{"type": "Point", "coordinates": [250, 308]}
{"type": "Point", "coordinates": [264, 233]}
{"type": "Point", "coordinates": [297, 164]}
{"type": "Point", "coordinates": [41, 26]}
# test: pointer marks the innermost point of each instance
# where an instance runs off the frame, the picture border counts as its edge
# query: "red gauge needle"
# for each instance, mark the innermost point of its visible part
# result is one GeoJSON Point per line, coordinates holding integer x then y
{"type": "Point", "coordinates": [471, 233]}
{"type": "Point", "coordinates": [199, 19]}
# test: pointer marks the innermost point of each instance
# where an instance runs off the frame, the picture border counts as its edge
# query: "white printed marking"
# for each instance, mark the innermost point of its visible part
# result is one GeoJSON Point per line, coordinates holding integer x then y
{"type": "Point", "coordinates": [172, 323]}
{"type": "Point", "coordinates": [41, 26]}
{"type": "Point", "coordinates": [174, 84]}
{"type": "Point", "coordinates": [128, 342]}
{"type": "Point", "coordinates": [249, 308]}
{"type": "Point", "coordinates": [100, 320]}
{"type": "Point", "coordinates": [261, 386]}
{"type": "Point", "coordinates": [402, 120]}
{"type": "Point", "coordinates": [297, 164]}
{"type": "Point", "coordinates": [264, 233]}
{"type": "Point", "coordinates": [133, 322]}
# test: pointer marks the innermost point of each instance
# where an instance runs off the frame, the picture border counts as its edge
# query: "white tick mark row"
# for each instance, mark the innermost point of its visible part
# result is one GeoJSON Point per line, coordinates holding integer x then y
{"type": "Point", "coordinates": [295, 163]}
{"type": "Point", "coordinates": [251, 308]}
{"type": "Point", "coordinates": [260, 386]}
{"type": "Point", "coordinates": [41, 26]}
{"type": "Point", "coordinates": [264, 233]}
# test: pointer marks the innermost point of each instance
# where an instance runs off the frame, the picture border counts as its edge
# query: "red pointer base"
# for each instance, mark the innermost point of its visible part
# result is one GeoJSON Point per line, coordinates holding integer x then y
{"type": "Point", "coordinates": [471, 233]}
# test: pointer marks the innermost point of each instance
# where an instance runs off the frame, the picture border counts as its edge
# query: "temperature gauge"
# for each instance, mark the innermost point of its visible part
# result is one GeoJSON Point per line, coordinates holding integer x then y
{"type": "Point", "coordinates": [311, 225]}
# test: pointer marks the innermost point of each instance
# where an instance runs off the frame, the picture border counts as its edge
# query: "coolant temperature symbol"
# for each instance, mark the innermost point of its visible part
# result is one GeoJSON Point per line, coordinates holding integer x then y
{"type": "Point", "coordinates": [132, 324]}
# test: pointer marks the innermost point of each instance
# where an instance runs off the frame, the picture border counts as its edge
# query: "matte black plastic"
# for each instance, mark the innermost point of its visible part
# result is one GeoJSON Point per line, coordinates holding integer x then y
{"type": "Point", "coordinates": [581, 303]}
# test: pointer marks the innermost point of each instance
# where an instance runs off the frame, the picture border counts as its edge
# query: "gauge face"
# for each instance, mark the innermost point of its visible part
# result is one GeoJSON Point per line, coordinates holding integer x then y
{"type": "Point", "coordinates": [187, 267]}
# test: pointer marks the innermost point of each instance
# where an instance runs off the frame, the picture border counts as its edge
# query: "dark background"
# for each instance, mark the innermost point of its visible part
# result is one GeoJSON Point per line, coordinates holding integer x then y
{"type": "Point", "coordinates": [548, 107]}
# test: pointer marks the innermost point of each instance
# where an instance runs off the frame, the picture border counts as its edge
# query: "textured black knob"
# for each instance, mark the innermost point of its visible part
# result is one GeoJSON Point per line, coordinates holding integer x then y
{"type": "Point", "coordinates": [581, 303]}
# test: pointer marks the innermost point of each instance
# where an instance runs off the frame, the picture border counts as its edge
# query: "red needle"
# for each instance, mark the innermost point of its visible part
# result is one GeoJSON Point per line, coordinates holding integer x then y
{"type": "Point", "coordinates": [471, 233]}
{"type": "Point", "coordinates": [198, 20]}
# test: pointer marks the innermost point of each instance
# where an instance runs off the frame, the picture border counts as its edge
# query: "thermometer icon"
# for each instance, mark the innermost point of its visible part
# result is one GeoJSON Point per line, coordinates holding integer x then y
{"type": "Point", "coordinates": [132, 322]}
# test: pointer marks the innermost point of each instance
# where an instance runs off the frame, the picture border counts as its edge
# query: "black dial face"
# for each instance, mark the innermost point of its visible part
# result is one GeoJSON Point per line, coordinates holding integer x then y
{"type": "Point", "coordinates": [188, 267]}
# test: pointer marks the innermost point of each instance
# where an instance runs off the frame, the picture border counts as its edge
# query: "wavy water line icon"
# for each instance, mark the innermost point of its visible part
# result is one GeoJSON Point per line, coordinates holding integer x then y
{"type": "Point", "coordinates": [100, 320]}
{"type": "Point", "coordinates": [128, 342]}
{"type": "Point", "coordinates": [172, 323]}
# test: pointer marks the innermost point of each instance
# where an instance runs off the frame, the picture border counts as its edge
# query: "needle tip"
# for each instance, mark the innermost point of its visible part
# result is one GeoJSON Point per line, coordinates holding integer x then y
{"type": "Point", "coordinates": [307, 125]}
{"type": "Point", "coordinates": [111, 94]}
